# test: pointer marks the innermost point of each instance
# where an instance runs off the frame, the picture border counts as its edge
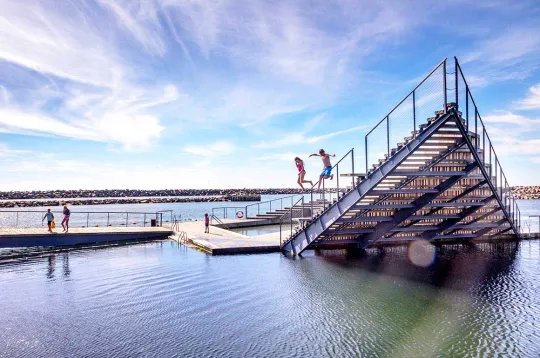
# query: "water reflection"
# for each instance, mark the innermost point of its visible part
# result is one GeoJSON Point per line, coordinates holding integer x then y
{"type": "Point", "coordinates": [51, 266]}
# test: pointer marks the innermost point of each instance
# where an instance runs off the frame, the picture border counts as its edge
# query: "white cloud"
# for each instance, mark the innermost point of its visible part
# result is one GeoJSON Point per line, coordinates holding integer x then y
{"type": "Point", "coordinates": [505, 117]}
{"type": "Point", "coordinates": [532, 101]}
{"type": "Point", "coordinates": [219, 148]}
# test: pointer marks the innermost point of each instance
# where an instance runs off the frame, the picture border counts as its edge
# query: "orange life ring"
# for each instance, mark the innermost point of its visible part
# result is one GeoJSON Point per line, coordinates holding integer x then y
{"type": "Point", "coordinates": [239, 214]}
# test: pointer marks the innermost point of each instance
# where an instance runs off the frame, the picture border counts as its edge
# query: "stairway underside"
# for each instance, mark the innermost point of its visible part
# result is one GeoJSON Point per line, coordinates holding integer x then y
{"type": "Point", "coordinates": [435, 185]}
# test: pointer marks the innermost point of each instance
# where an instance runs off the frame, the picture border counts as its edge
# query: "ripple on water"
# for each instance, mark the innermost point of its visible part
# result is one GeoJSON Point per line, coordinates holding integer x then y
{"type": "Point", "coordinates": [161, 300]}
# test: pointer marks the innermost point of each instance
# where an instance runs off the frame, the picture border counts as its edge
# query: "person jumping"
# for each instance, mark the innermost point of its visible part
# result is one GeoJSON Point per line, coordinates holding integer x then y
{"type": "Point", "coordinates": [301, 173]}
{"type": "Point", "coordinates": [327, 171]}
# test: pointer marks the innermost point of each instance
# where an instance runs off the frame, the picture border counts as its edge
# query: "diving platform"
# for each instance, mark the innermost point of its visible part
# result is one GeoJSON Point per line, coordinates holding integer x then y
{"type": "Point", "coordinates": [436, 176]}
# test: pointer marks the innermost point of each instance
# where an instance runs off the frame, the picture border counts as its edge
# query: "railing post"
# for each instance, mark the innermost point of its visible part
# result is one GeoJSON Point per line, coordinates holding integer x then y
{"type": "Point", "coordinates": [270, 205]}
{"type": "Point", "coordinates": [108, 218]}
{"type": "Point", "coordinates": [224, 213]}
{"type": "Point", "coordinates": [352, 165]}
{"type": "Point", "coordinates": [337, 179]}
{"type": "Point", "coordinates": [467, 106]}
{"type": "Point", "coordinates": [366, 151]}
{"type": "Point", "coordinates": [414, 114]}
{"type": "Point", "coordinates": [444, 87]}
{"type": "Point", "coordinates": [17, 223]}
{"type": "Point", "coordinates": [484, 144]}
{"type": "Point", "coordinates": [281, 205]}
{"type": "Point", "coordinates": [476, 128]}
{"type": "Point", "coordinates": [246, 216]}
{"type": "Point", "coordinates": [388, 134]}
{"type": "Point", "coordinates": [87, 218]}
{"type": "Point", "coordinates": [144, 220]}
{"type": "Point", "coordinates": [457, 92]}
{"type": "Point", "coordinates": [127, 219]}
{"type": "Point", "coordinates": [311, 202]}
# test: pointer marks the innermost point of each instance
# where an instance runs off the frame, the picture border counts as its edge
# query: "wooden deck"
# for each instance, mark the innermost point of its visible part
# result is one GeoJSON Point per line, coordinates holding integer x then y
{"type": "Point", "coordinates": [41, 237]}
{"type": "Point", "coordinates": [225, 242]}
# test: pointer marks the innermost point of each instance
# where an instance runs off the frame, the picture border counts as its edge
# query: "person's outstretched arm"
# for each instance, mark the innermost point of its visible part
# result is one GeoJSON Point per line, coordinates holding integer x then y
{"type": "Point", "coordinates": [313, 155]}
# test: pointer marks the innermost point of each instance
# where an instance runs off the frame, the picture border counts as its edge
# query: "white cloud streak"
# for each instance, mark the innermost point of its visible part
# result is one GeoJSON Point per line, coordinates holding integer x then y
{"type": "Point", "coordinates": [532, 101]}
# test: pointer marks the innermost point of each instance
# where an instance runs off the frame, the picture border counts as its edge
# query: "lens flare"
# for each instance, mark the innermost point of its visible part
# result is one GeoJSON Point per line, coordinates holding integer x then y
{"type": "Point", "coordinates": [421, 253]}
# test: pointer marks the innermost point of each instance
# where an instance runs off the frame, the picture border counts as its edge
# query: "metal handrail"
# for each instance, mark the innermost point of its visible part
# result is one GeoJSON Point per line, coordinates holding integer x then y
{"type": "Point", "coordinates": [219, 221]}
{"type": "Point", "coordinates": [506, 201]}
{"type": "Point", "coordinates": [157, 215]}
{"type": "Point", "coordinates": [386, 117]}
{"type": "Point", "coordinates": [289, 214]}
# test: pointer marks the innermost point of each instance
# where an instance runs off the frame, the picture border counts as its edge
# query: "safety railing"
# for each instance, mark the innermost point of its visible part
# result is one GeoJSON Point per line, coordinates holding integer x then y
{"type": "Point", "coordinates": [252, 210]}
{"type": "Point", "coordinates": [296, 211]}
{"type": "Point", "coordinates": [484, 147]}
{"type": "Point", "coordinates": [218, 220]}
{"type": "Point", "coordinates": [428, 96]}
{"type": "Point", "coordinates": [34, 218]}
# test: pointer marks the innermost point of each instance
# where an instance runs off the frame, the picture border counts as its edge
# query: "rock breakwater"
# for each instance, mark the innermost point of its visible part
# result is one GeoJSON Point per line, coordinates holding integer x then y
{"type": "Point", "coordinates": [23, 199]}
{"type": "Point", "coordinates": [134, 193]}
{"type": "Point", "coordinates": [526, 192]}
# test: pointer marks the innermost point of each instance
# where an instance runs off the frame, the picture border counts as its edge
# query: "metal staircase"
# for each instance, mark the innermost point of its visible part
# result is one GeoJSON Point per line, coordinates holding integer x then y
{"type": "Point", "coordinates": [442, 181]}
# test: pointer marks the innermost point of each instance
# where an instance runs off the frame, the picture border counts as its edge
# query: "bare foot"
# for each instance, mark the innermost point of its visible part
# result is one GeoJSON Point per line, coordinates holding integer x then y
{"type": "Point", "coordinates": [332, 177]}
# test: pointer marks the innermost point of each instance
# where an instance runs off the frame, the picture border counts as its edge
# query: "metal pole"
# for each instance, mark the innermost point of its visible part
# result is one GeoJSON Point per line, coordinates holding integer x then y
{"type": "Point", "coordinates": [457, 92]}
{"type": "Point", "coordinates": [337, 179]}
{"type": "Point", "coordinates": [144, 221]}
{"type": "Point", "coordinates": [414, 113]}
{"type": "Point", "coordinates": [17, 223]}
{"type": "Point", "coordinates": [352, 164]}
{"type": "Point", "coordinates": [476, 128]}
{"type": "Point", "coordinates": [108, 219]}
{"type": "Point", "coordinates": [366, 151]}
{"type": "Point", "coordinates": [444, 86]}
{"type": "Point", "coordinates": [311, 202]}
{"type": "Point", "coordinates": [224, 213]}
{"type": "Point", "coordinates": [87, 218]}
{"type": "Point", "coordinates": [281, 205]}
{"type": "Point", "coordinates": [388, 134]}
{"type": "Point", "coordinates": [127, 216]}
{"type": "Point", "coordinates": [484, 144]}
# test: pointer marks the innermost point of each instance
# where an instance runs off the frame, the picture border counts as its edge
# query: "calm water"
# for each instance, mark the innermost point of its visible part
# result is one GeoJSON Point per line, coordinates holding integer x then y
{"type": "Point", "coordinates": [163, 300]}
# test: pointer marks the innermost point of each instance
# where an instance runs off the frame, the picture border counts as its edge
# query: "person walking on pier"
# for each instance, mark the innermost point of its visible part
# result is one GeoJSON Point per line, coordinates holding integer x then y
{"type": "Point", "coordinates": [65, 221]}
{"type": "Point", "coordinates": [301, 173]}
{"type": "Point", "coordinates": [50, 217]}
{"type": "Point", "coordinates": [327, 171]}
{"type": "Point", "coordinates": [206, 224]}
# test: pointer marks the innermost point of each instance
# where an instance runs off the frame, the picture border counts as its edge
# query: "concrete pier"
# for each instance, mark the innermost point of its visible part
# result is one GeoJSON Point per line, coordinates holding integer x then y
{"type": "Point", "coordinates": [12, 238]}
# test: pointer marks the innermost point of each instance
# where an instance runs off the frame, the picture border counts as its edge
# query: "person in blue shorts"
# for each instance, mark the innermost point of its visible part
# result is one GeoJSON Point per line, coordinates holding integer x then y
{"type": "Point", "coordinates": [327, 171]}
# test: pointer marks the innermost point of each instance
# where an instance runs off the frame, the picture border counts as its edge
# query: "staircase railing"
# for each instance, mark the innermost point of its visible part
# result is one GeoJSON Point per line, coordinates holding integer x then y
{"type": "Point", "coordinates": [427, 96]}
{"type": "Point", "coordinates": [221, 223]}
{"type": "Point", "coordinates": [288, 217]}
{"type": "Point", "coordinates": [484, 148]}
{"type": "Point", "coordinates": [274, 204]}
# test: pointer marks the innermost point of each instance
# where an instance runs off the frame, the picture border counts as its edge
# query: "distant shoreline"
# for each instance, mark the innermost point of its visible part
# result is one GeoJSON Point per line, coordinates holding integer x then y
{"type": "Point", "coordinates": [14, 199]}
{"type": "Point", "coordinates": [23, 199]}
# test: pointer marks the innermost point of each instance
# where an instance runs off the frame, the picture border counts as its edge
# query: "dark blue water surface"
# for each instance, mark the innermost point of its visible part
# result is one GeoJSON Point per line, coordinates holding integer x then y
{"type": "Point", "coordinates": [164, 300]}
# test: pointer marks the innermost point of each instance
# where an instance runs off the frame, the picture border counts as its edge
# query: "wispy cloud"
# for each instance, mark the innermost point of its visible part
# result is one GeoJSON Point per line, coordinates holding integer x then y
{"type": "Point", "coordinates": [532, 101]}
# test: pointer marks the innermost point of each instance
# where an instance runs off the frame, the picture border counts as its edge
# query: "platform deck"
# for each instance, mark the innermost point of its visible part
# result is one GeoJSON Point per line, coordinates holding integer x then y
{"type": "Point", "coordinates": [32, 237]}
{"type": "Point", "coordinates": [225, 242]}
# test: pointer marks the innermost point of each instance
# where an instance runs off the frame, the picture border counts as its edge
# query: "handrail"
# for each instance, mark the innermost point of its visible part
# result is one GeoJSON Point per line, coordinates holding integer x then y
{"type": "Point", "coordinates": [219, 221]}
{"type": "Point", "coordinates": [407, 96]}
{"type": "Point", "coordinates": [76, 217]}
{"type": "Point", "coordinates": [501, 186]}
{"type": "Point", "coordinates": [290, 215]}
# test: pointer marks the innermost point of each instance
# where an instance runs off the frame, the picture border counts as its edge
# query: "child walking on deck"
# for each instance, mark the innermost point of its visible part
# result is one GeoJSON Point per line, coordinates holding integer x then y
{"type": "Point", "coordinates": [206, 224]}
{"type": "Point", "coordinates": [327, 171]}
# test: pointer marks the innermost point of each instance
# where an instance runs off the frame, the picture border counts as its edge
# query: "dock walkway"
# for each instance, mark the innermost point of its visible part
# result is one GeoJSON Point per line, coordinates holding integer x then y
{"type": "Point", "coordinates": [225, 242]}
{"type": "Point", "coordinates": [12, 238]}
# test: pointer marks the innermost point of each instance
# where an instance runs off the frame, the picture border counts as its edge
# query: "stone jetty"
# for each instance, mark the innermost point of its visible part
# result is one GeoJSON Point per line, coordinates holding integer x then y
{"type": "Point", "coordinates": [13, 199]}
{"type": "Point", "coordinates": [526, 192]}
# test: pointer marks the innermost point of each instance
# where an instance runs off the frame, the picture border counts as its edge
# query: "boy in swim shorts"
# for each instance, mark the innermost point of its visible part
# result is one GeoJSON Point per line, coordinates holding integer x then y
{"type": "Point", "coordinates": [206, 224]}
{"type": "Point", "coordinates": [50, 217]}
{"type": "Point", "coordinates": [327, 171]}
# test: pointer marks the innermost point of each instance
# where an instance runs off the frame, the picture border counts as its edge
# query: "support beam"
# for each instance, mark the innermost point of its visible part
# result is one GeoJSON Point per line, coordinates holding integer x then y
{"type": "Point", "coordinates": [447, 224]}
{"type": "Point", "coordinates": [384, 228]}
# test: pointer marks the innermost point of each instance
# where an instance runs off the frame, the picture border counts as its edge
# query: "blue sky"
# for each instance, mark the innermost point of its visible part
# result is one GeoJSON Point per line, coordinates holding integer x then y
{"type": "Point", "coordinates": [200, 94]}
